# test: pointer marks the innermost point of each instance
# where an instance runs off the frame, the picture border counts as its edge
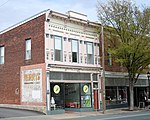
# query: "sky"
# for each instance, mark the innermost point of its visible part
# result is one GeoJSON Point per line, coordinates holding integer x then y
{"type": "Point", "coordinates": [14, 11]}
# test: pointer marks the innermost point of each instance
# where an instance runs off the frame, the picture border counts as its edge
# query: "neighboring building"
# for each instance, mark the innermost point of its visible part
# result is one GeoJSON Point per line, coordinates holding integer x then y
{"type": "Point", "coordinates": [116, 80]}
{"type": "Point", "coordinates": [51, 60]}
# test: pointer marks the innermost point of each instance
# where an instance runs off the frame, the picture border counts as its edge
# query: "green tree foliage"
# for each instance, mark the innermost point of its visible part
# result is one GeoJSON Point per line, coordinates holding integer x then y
{"type": "Point", "coordinates": [131, 27]}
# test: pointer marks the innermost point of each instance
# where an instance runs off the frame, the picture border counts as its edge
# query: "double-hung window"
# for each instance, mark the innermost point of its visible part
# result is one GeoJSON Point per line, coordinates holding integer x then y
{"type": "Point", "coordinates": [74, 51]}
{"type": "Point", "coordinates": [2, 55]}
{"type": "Point", "coordinates": [58, 48]}
{"type": "Point", "coordinates": [109, 59]}
{"type": "Point", "coordinates": [28, 49]}
{"type": "Point", "coordinates": [90, 57]}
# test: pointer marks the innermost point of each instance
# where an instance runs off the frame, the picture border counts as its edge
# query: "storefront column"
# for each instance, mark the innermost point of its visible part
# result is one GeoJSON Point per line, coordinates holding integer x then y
{"type": "Point", "coordinates": [99, 91]}
{"type": "Point", "coordinates": [117, 96]}
{"type": "Point", "coordinates": [91, 75]}
{"type": "Point", "coordinates": [47, 93]}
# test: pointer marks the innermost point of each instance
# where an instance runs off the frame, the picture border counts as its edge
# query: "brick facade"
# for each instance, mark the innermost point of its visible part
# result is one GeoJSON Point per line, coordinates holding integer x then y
{"type": "Point", "coordinates": [115, 67]}
{"type": "Point", "coordinates": [34, 86]}
{"type": "Point", "coordinates": [28, 82]}
{"type": "Point", "coordinates": [14, 43]}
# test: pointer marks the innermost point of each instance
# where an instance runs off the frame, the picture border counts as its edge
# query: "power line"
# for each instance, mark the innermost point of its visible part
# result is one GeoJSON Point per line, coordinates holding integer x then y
{"type": "Point", "coordinates": [4, 3]}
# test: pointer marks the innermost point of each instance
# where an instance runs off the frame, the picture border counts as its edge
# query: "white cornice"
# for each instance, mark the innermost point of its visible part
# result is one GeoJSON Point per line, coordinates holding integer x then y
{"type": "Point", "coordinates": [65, 16]}
{"type": "Point", "coordinates": [48, 13]}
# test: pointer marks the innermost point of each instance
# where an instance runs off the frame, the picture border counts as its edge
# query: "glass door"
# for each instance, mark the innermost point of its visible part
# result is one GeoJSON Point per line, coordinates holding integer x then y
{"type": "Point", "coordinates": [57, 95]}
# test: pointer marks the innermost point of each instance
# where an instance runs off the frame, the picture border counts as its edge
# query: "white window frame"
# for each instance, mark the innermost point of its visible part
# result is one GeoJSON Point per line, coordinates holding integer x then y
{"type": "Point", "coordinates": [75, 49]}
{"type": "Point", "coordinates": [58, 47]}
{"type": "Point", "coordinates": [90, 51]}
{"type": "Point", "coordinates": [28, 49]}
{"type": "Point", "coordinates": [2, 52]}
{"type": "Point", "coordinates": [109, 59]}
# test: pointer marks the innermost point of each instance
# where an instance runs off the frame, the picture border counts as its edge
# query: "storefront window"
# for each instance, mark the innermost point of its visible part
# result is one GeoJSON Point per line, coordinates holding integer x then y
{"type": "Point", "coordinates": [57, 95]}
{"type": "Point", "coordinates": [122, 98]}
{"type": "Point", "coordinates": [85, 95]}
{"type": "Point", "coordinates": [116, 95]}
{"type": "Point", "coordinates": [72, 96]}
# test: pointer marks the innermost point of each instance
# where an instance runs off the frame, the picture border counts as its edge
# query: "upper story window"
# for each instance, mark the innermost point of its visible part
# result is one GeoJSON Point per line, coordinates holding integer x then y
{"type": "Point", "coordinates": [90, 55]}
{"type": "Point", "coordinates": [58, 48]}
{"type": "Point", "coordinates": [2, 55]}
{"type": "Point", "coordinates": [75, 50]}
{"type": "Point", "coordinates": [109, 57]}
{"type": "Point", "coordinates": [28, 49]}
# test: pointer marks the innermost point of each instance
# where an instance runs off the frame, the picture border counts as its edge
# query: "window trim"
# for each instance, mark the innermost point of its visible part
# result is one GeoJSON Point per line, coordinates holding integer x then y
{"type": "Point", "coordinates": [73, 51]}
{"type": "Point", "coordinates": [61, 51]}
{"type": "Point", "coordinates": [30, 49]}
{"type": "Point", "coordinates": [109, 59]}
{"type": "Point", "coordinates": [3, 61]}
{"type": "Point", "coordinates": [92, 62]}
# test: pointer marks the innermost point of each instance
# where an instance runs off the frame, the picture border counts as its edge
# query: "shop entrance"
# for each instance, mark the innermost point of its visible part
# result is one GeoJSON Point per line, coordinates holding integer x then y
{"type": "Point", "coordinates": [71, 95]}
{"type": "Point", "coordinates": [96, 103]}
{"type": "Point", "coordinates": [57, 94]}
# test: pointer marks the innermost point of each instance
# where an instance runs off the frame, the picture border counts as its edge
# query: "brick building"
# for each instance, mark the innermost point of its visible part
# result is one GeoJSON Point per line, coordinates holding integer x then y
{"type": "Point", "coordinates": [51, 60]}
{"type": "Point", "coordinates": [116, 78]}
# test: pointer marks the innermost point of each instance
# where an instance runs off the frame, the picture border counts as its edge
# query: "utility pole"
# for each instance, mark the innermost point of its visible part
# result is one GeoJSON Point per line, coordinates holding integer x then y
{"type": "Point", "coordinates": [103, 63]}
{"type": "Point", "coordinates": [103, 73]}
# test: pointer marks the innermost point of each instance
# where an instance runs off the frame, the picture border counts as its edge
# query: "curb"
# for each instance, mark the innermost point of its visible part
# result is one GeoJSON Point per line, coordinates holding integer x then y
{"type": "Point", "coordinates": [41, 109]}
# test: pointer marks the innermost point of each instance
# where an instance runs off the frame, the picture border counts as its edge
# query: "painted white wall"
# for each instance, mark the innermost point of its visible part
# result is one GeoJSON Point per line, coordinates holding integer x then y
{"type": "Point", "coordinates": [74, 30]}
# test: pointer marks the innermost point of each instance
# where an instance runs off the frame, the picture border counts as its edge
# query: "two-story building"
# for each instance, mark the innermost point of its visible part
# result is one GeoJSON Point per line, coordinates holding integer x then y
{"type": "Point", "coordinates": [51, 61]}
{"type": "Point", "coordinates": [116, 78]}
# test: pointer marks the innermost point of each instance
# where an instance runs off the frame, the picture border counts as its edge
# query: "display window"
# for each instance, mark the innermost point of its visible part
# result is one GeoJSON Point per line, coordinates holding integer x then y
{"type": "Point", "coordinates": [85, 95]}
{"type": "Point", "coordinates": [116, 95]}
{"type": "Point", "coordinates": [71, 95]}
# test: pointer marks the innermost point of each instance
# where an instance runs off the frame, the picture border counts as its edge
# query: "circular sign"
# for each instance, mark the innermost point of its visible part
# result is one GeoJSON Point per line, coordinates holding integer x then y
{"type": "Point", "coordinates": [56, 89]}
{"type": "Point", "coordinates": [85, 88]}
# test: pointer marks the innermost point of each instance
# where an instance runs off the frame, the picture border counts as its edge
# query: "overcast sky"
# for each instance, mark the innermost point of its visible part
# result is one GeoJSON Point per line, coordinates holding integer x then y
{"type": "Point", "coordinates": [14, 11]}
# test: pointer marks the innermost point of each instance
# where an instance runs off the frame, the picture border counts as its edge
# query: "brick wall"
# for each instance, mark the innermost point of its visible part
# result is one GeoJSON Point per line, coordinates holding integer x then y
{"type": "Point", "coordinates": [14, 42]}
{"type": "Point", "coordinates": [115, 67]}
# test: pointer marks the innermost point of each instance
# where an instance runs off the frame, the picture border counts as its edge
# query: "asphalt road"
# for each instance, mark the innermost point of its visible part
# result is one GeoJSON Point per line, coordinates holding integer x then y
{"type": "Point", "coordinates": [7, 113]}
{"type": "Point", "coordinates": [12, 114]}
{"type": "Point", "coordinates": [145, 115]}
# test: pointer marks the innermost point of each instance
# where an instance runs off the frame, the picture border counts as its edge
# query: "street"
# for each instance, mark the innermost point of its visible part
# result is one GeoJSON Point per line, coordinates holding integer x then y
{"type": "Point", "coordinates": [145, 115]}
{"type": "Point", "coordinates": [13, 114]}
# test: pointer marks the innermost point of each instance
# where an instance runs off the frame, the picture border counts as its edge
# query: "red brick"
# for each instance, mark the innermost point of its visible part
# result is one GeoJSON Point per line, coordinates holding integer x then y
{"type": "Point", "coordinates": [14, 42]}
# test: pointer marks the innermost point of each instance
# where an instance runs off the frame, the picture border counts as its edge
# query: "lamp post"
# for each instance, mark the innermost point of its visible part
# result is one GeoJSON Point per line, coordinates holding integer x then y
{"type": "Point", "coordinates": [148, 76]}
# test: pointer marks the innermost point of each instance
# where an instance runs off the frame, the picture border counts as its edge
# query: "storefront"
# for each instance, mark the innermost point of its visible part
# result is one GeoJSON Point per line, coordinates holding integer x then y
{"type": "Point", "coordinates": [72, 95]}
{"type": "Point", "coordinates": [116, 95]}
{"type": "Point", "coordinates": [117, 90]}
{"type": "Point", "coordinates": [73, 91]}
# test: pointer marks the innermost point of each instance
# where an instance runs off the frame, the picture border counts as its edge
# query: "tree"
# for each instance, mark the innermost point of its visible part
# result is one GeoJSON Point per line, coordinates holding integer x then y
{"type": "Point", "coordinates": [131, 26]}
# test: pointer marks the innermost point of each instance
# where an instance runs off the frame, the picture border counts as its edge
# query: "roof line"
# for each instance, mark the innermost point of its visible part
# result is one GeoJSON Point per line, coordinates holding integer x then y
{"type": "Point", "coordinates": [41, 13]}
{"type": "Point", "coordinates": [24, 21]}
{"type": "Point", "coordinates": [70, 17]}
